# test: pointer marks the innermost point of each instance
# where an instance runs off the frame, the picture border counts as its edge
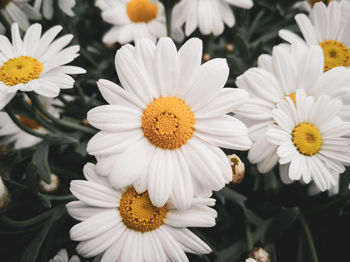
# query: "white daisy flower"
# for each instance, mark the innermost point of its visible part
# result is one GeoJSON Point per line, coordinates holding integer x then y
{"type": "Point", "coordinates": [125, 226]}
{"type": "Point", "coordinates": [307, 5]}
{"type": "Point", "coordinates": [132, 20]}
{"type": "Point", "coordinates": [36, 64]}
{"type": "Point", "coordinates": [18, 11]}
{"type": "Point", "coordinates": [209, 15]}
{"type": "Point", "coordinates": [21, 139]}
{"type": "Point", "coordinates": [250, 260]}
{"type": "Point", "coordinates": [277, 77]}
{"type": "Point", "coordinates": [327, 27]}
{"type": "Point", "coordinates": [171, 117]}
{"type": "Point", "coordinates": [48, 7]}
{"type": "Point", "coordinates": [310, 138]}
{"type": "Point", "coordinates": [62, 256]}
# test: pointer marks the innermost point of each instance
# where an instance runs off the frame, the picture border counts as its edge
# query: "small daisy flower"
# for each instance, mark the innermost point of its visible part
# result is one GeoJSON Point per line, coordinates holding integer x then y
{"type": "Point", "coordinates": [310, 138]}
{"type": "Point", "coordinates": [125, 226]}
{"type": "Point", "coordinates": [278, 77]}
{"type": "Point", "coordinates": [48, 7]}
{"type": "Point", "coordinates": [132, 20]}
{"type": "Point", "coordinates": [250, 260]}
{"type": "Point", "coordinates": [327, 27]}
{"type": "Point", "coordinates": [209, 15]}
{"type": "Point", "coordinates": [62, 256]}
{"type": "Point", "coordinates": [170, 119]}
{"type": "Point", "coordinates": [36, 63]}
{"type": "Point", "coordinates": [21, 139]}
{"type": "Point", "coordinates": [18, 11]}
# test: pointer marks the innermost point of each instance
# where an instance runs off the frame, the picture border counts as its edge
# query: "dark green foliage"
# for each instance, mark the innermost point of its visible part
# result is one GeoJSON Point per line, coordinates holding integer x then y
{"type": "Point", "coordinates": [261, 211]}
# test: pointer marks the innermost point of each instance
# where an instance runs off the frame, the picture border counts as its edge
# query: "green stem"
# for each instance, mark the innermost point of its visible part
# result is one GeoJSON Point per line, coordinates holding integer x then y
{"type": "Point", "coordinates": [9, 111]}
{"type": "Point", "coordinates": [88, 57]}
{"type": "Point", "coordinates": [248, 235]}
{"type": "Point", "coordinates": [309, 239]}
{"type": "Point", "coordinates": [168, 8]}
{"type": "Point", "coordinates": [29, 222]}
{"type": "Point", "coordinates": [58, 121]}
{"type": "Point", "coordinates": [333, 203]}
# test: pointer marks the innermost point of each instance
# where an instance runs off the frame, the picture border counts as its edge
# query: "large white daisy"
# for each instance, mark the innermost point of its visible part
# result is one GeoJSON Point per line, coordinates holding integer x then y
{"type": "Point", "coordinates": [125, 226]}
{"type": "Point", "coordinates": [310, 138]}
{"type": "Point", "coordinates": [19, 11]}
{"type": "Point", "coordinates": [163, 130]}
{"type": "Point", "coordinates": [12, 133]}
{"type": "Point", "coordinates": [36, 63]}
{"type": "Point", "coordinates": [209, 15]}
{"type": "Point", "coordinates": [327, 27]}
{"type": "Point", "coordinates": [62, 256]}
{"type": "Point", "coordinates": [277, 77]}
{"type": "Point", "coordinates": [48, 7]}
{"type": "Point", "coordinates": [132, 20]}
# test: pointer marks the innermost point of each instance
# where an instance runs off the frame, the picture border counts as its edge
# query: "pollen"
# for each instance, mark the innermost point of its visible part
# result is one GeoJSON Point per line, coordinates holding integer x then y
{"type": "Point", "coordinates": [307, 139]}
{"type": "Point", "coordinates": [335, 54]}
{"type": "Point", "coordinates": [313, 2]}
{"type": "Point", "coordinates": [138, 213]}
{"type": "Point", "coordinates": [141, 11]}
{"type": "Point", "coordinates": [168, 122]}
{"type": "Point", "coordinates": [291, 96]}
{"type": "Point", "coordinates": [20, 70]}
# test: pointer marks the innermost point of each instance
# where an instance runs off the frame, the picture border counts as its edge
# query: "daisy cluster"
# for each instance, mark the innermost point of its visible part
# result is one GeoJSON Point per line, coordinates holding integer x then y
{"type": "Point", "coordinates": [159, 143]}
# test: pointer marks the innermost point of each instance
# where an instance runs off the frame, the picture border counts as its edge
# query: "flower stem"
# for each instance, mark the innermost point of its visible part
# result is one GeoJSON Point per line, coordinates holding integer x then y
{"type": "Point", "coordinates": [168, 7]}
{"type": "Point", "coordinates": [309, 239]}
{"type": "Point", "coordinates": [9, 111]}
{"type": "Point", "coordinates": [61, 122]}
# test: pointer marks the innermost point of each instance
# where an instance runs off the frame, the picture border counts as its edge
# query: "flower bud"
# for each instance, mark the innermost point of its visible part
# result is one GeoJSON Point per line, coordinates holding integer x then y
{"type": "Point", "coordinates": [85, 122]}
{"type": "Point", "coordinates": [52, 187]}
{"type": "Point", "coordinates": [3, 150]}
{"type": "Point", "coordinates": [260, 255]}
{"type": "Point", "coordinates": [237, 169]}
{"type": "Point", "coordinates": [4, 197]}
{"type": "Point", "coordinates": [230, 48]}
{"type": "Point", "coordinates": [206, 57]}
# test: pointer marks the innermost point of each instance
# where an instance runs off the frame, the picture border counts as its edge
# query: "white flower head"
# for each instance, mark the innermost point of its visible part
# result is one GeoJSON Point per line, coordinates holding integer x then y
{"type": "Point", "coordinates": [250, 260]}
{"type": "Point", "coordinates": [125, 226]}
{"type": "Point", "coordinates": [278, 77]}
{"type": "Point", "coordinates": [18, 11]}
{"type": "Point", "coordinates": [132, 20]}
{"type": "Point", "coordinates": [37, 63]}
{"type": "Point", "coordinates": [209, 15]}
{"type": "Point", "coordinates": [48, 7]}
{"type": "Point", "coordinates": [327, 27]}
{"type": "Point", "coordinates": [310, 138]}
{"type": "Point", "coordinates": [62, 256]}
{"type": "Point", "coordinates": [12, 133]}
{"type": "Point", "coordinates": [163, 130]}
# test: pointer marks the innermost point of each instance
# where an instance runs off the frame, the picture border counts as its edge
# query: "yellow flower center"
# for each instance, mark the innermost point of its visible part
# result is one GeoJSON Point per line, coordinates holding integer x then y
{"type": "Point", "coordinates": [168, 122]}
{"type": "Point", "coordinates": [291, 96]}
{"type": "Point", "coordinates": [20, 70]}
{"type": "Point", "coordinates": [307, 139]}
{"type": "Point", "coordinates": [335, 54]}
{"type": "Point", "coordinates": [138, 213]}
{"type": "Point", "coordinates": [313, 2]}
{"type": "Point", "coordinates": [4, 3]}
{"type": "Point", "coordinates": [141, 11]}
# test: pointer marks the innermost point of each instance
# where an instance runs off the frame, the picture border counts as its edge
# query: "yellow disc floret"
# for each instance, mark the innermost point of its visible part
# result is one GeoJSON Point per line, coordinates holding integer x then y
{"type": "Point", "coordinates": [20, 70]}
{"type": "Point", "coordinates": [168, 122]}
{"type": "Point", "coordinates": [313, 2]}
{"type": "Point", "coordinates": [138, 213]}
{"type": "Point", "coordinates": [141, 11]}
{"type": "Point", "coordinates": [291, 96]}
{"type": "Point", "coordinates": [335, 54]}
{"type": "Point", "coordinates": [307, 139]}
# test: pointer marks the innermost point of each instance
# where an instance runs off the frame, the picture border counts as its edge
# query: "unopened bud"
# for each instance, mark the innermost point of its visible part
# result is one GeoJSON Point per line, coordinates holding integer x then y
{"type": "Point", "coordinates": [237, 169]}
{"type": "Point", "coordinates": [4, 197]}
{"type": "Point", "coordinates": [260, 255]}
{"type": "Point", "coordinates": [52, 187]}
{"type": "Point", "coordinates": [3, 150]}
{"type": "Point", "coordinates": [206, 57]}
{"type": "Point", "coordinates": [110, 46]}
{"type": "Point", "coordinates": [85, 122]}
{"type": "Point", "coordinates": [230, 48]}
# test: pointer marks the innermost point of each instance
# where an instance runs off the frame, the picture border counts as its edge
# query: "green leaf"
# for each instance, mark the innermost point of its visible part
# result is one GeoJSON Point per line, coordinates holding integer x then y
{"type": "Point", "coordinates": [44, 200]}
{"type": "Point", "coordinates": [31, 252]}
{"type": "Point", "coordinates": [229, 194]}
{"type": "Point", "coordinates": [31, 177]}
{"type": "Point", "coordinates": [60, 139]}
{"type": "Point", "coordinates": [40, 159]}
